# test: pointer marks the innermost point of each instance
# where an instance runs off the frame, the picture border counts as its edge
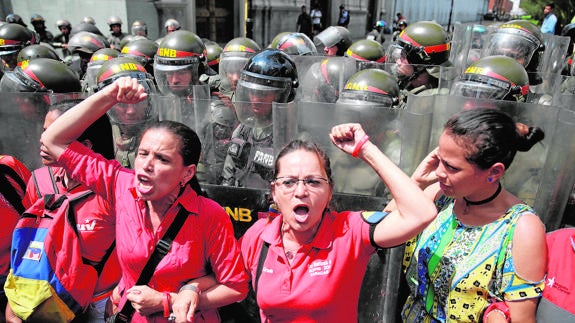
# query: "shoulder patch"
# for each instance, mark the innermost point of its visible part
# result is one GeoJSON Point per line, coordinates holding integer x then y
{"type": "Point", "coordinates": [373, 217]}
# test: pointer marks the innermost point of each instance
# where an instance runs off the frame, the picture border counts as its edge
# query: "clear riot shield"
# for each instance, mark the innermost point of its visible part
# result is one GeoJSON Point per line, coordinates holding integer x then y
{"type": "Point", "coordinates": [553, 58]}
{"type": "Point", "coordinates": [182, 109]}
{"type": "Point", "coordinates": [565, 95]}
{"type": "Point", "coordinates": [558, 173]}
{"type": "Point", "coordinates": [466, 44]}
{"type": "Point", "coordinates": [22, 119]}
{"type": "Point", "coordinates": [216, 123]}
{"type": "Point", "coordinates": [322, 78]}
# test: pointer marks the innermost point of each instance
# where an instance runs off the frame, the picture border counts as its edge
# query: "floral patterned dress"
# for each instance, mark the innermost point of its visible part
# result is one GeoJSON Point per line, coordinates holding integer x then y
{"type": "Point", "coordinates": [454, 271]}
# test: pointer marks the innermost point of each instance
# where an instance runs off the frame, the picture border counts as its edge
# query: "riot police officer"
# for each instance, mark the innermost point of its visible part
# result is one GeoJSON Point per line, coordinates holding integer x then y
{"type": "Point", "coordinates": [521, 40]}
{"type": "Point", "coordinates": [269, 76]}
{"type": "Point", "coordinates": [493, 77]}
{"type": "Point", "coordinates": [179, 62]}
{"type": "Point", "coordinates": [89, 81]}
{"type": "Point", "coordinates": [233, 58]}
{"type": "Point", "coordinates": [142, 50]}
{"type": "Point", "coordinates": [368, 53]}
{"type": "Point", "coordinates": [417, 54]}
{"type": "Point", "coordinates": [61, 39]}
{"type": "Point", "coordinates": [128, 120]}
{"type": "Point", "coordinates": [116, 34]}
{"type": "Point", "coordinates": [13, 37]}
{"type": "Point", "coordinates": [139, 28]}
{"type": "Point", "coordinates": [216, 138]}
{"type": "Point", "coordinates": [334, 40]}
{"type": "Point", "coordinates": [40, 27]}
{"type": "Point", "coordinates": [82, 45]}
{"type": "Point", "coordinates": [294, 44]}
{"type": "Point", "coordinates": [35, 51]}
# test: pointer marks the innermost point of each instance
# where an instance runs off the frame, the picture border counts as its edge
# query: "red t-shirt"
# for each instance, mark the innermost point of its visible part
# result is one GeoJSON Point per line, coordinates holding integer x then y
{"type": "Point", "coordinates": [9, 215]}
{"type": "Point", "coordinates": [324, 280]}
{"type": "Point", "coordinates": [560, 280]}
{"type": "Point", "coordinates": [205, 242]}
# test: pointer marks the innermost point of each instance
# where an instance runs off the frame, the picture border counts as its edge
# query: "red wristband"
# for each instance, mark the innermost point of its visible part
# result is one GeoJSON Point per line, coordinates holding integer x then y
{"type": "Point", "coordinates": [167, 301]}
{"type": "Point", "coordinates": [360, 144]}
{"type": "Point", "coordinates": [500, 307]}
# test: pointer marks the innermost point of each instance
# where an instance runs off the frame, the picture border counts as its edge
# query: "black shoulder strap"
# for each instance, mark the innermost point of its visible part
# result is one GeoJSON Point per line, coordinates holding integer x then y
{"type": "Point", "coordinates": [161, 249]}
{"type": "Point", "coordinates": [261, 260]}
{"type": "Point", "coordinates": [48, 169]}
{"type": "Point", "coordinates": [8, 190]}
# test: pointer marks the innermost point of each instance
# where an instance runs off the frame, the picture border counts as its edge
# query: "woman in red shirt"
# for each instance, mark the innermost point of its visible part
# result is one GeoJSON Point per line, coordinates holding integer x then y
{"type": "Point", "coordinates": [146, 200]}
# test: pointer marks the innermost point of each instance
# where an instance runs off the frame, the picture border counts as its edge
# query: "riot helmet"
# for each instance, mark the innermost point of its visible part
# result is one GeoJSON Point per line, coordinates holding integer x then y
{"type": "Point", "coordinates": [38, 21]}
{"type": "Point", "coordinates": [323, 80]}
{"type": "Point", "coordinates": [331, 37]}
{"type": "Point", "coordinates": [85, 27]}
{"type": "Point", "coordinates": [98, 58]}
{"type": "Point", "coordinates": [179, 62]}
{"type": "Point", "coordinates": [14, 37]}
{"type": "Point", "coordinates": [41, 75]}
{"type": "Point", "coordinates": [371, 87]}
{"type": "Point", "coordinates": [494, 77]}
{"type": "Point", "coordinates": [366, 50]}
{"type": "Point", "coordinates": [423, 42]}
{"type": "Point", "coordinates": [130, 38]}
{"type": "Point", "coordinates": [142, 50]}
{"type": "Point", "coordinates": [269, 76]}
{"type": "Point", "coordinates": [139, 28]}
{"type": "Point", "coordinates": [114, 21]}
{"type": "Point", "coordinates": [519, 39]}
{"type": "Point", "coordinates": [214, 51]}
{"type": "Point", "coordinates": [127, 114]}
{"type": "Point", "coordinates": [234, 57]}
{"type": "Point", "coordinates": [294, 44]}
{"type": "Point", "coordinates": [36, 51]}
{"type": "Point", "coordinates": [83, 45]}
{"type": "Point", "coordinates": [63, 23]}
{"type": "Point", "coordinates": [88, 20]}
{"type": "Point", "coordinates": [15, 19]}
{"type": "Point", "coordinates": [87, 43]}
{"type": "Point", "coordinates": [172, 25]}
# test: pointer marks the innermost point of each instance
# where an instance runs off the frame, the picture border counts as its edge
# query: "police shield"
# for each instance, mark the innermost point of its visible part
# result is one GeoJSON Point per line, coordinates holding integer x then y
{"type": "Point", "coordinates": [217, 121]}
{"type": "Point", "coordinates": [185, 109]}
{"type": "Point", "coordinates": [22, 116]}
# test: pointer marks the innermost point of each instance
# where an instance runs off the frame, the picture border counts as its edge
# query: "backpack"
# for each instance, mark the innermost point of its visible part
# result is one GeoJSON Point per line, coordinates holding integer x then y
{"type": "Point", "coordinates": [48, 279]}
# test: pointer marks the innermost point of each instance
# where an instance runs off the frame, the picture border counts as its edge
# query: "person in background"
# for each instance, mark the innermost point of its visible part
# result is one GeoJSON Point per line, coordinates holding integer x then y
{"type": "Point", "coordinates": [61, 39]}
{"type": "Point", "coordinates": [149, 196]}
{"type": "Point", "coordinates": [485, 254]}
{"type": "Point", "coordinates": [317, 258]}
{"type": "Point", "coordinates": [316, 16]}
{"type": "Point", "coordinates": [39, 25]}
{"type": "Point", "coordinates": [116, 33]}
{"type": "Point", "coordinates": [550, 20]}
{"type": "Point", "coordinates": [303, 24]}
{"type": "Point", "coordinates": [343, 19]}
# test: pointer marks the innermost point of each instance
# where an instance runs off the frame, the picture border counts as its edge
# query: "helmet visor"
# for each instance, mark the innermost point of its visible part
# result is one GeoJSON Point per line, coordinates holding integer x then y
{"type": "Point", "coordinates": [254, 102]}
{"type": "Point", "coordinates": [230, 68]}
{"type": "Point", "coordinates": [512, 45]}
{"type": "Point", "coordinates": [131, 114]}
{"type": "Point", "coordinates": [144, 79]}
{"type": "Point", "coordinates": [176, 79]}
{"type": "Point", "coordinates": [18, 81]}
{"type": "Point", "coordinates": [364, 97]}
{"type": "Point", "coordinates": [477, 90]}
{"type": "Point", "coordinates": [329, 37]}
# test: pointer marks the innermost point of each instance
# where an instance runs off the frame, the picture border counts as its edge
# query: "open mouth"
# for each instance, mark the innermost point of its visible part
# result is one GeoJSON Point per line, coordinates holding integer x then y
{"type": "Point", "coordinates": [144, 184]}
{"type": "Point", "coordinates": [301, 213]}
